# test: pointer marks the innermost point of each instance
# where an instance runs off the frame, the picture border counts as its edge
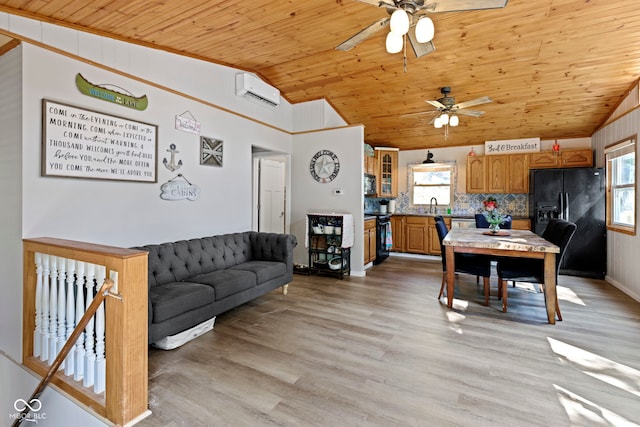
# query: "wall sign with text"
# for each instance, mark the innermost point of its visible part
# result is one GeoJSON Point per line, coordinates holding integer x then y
{"type": "Point", "coordinates": [511, 146]}
{"type": "Point", "coordinates": [80, 143]}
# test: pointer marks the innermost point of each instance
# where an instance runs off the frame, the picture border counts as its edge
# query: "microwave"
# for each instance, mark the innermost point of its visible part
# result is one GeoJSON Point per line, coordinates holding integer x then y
{"type": "Point", "coordinates": [370, 185]}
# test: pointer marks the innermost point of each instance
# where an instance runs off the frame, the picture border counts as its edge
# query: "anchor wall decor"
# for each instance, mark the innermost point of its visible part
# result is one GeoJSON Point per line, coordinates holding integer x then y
{"type": "Point", "coordinates": [171, 164]}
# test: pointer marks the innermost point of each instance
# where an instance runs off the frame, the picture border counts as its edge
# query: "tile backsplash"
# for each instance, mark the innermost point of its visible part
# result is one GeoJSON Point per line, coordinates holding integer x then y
{"type": "Point", "coordinates": [464, 204]}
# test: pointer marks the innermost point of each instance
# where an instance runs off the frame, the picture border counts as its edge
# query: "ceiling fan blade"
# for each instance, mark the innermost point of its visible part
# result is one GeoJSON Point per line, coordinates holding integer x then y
{"type": "Point", "coordinates": [420, 49]}
{"type": "Point", "coordinates": [462, 5]}
{"type": "Point", "coordinates": [472, 113]}
{"type": "Point", "coordinates": [378, 3]}
{"type": "Point", "coordinates": [419, 114]}
{"type": "Point", "coordinates": [364, 34]}
{"type": "Point", "coordinates": [436, 104]}
{"type": "Point", "coordinates": [473, 102]}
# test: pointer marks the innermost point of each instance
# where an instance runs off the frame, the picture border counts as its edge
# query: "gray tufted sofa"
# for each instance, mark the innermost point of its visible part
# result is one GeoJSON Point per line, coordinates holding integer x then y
{"type": "Point", "coordinates": [191, 281]}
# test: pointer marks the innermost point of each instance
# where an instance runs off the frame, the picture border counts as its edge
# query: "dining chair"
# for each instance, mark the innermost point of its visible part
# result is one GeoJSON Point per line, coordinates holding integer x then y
{"type": "Point", "coordinates": [477, 265]}
{"type": "Point", "coordinates": [546, 234]}
{"type": "Point", "coordinates": [481, 222]}
{"type": "Point", "coordinates": [530, 270]}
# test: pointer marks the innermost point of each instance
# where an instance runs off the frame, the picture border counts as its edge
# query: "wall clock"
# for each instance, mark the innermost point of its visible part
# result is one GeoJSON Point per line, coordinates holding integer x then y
{"type": "Point", "coordinates": [324, 166]}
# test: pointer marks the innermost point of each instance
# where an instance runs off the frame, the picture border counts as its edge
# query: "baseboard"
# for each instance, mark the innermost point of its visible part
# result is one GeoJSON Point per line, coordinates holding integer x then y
{"type": "Point", "coordinates": [623, 288]}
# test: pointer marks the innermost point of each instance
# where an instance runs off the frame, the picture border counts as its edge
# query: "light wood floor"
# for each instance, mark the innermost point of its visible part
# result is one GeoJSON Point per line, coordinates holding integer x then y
{"type": "Point", "coordinates": [382, 351]}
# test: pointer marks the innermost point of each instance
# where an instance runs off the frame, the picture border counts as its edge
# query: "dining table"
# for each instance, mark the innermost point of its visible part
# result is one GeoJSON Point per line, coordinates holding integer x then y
{"type": "Point", "coordinates": [505, 243]}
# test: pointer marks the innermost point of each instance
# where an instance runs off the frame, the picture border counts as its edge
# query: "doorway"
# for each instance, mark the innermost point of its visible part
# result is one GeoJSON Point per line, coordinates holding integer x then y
{"type": "Point", "coordinates": [270, 197]}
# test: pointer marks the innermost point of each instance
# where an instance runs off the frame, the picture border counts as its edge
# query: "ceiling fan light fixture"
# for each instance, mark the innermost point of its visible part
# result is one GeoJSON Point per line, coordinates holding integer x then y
{"type": "Point", "coordinates": [437, 123]}
{"type": "Point", "coordinates": [399, 22]}
{"type": "Point", "coordinates": [394, 43]}
{"type": "Point", "coordinates": [454, 121]}
{"type": "Point", "coordinates": [425, 30]}
{"type": "Point", "coordinates": [444, 119]}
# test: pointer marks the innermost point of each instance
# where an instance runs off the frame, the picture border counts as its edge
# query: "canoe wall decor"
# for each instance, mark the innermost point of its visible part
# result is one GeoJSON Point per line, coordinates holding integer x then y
{"type": "Point", "coordinates": [109, 95]}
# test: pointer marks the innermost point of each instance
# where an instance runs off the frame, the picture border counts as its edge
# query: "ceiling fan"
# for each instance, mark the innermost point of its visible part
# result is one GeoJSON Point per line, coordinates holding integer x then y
{"type": "Point", "coordinates": [447, 111]}
{"type": "Point", "coordinates": [412, 19]}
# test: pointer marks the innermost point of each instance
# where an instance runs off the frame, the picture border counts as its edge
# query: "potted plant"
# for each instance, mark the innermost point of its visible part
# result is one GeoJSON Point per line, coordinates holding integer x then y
{"type": "Point", "coordinates": [491, 214]}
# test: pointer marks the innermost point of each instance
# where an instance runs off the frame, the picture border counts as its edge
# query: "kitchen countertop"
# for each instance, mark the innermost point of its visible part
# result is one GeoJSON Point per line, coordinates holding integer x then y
{"type": "Point", "coordinates": [372, 215]}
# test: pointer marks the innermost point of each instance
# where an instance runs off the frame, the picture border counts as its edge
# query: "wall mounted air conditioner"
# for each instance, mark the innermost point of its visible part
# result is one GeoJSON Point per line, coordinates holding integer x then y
{"type": "Point", "coordinates": [250, 86]}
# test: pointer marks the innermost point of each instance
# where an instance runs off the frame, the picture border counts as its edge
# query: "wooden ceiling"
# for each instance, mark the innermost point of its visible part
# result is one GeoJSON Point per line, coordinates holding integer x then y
{"type": "Point", "coordinates": [554, 68]}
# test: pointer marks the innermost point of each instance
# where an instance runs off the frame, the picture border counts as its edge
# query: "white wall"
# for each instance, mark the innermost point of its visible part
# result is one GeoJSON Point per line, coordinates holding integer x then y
{"type": "Point", "coordinates": [623, 269]}
{"type": "Point", "coordinates": [133, 213]}
{"type": "Point", "coordinates": [15, 381]}
{"type": "Point", "coordinates": [11, 196]}
{"type": "Point", "coordinates": [312, 196]}
{"type": "Point", "coordinates": [315, 115]}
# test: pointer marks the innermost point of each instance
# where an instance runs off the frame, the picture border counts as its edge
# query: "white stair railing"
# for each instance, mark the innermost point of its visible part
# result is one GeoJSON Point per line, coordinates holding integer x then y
{"type": "Point", "coordinates": [70, 361]}
{"type": "Point", "coordinates": [64, 290]}
{"type": "Point", "coordinates": [107, 353]}
{"type": "Point", "coordinates": [78, 370]}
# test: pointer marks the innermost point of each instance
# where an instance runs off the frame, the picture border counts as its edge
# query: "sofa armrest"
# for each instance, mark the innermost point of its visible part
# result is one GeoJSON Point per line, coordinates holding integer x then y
{"type": "Point", "coordinates": [273, 247]}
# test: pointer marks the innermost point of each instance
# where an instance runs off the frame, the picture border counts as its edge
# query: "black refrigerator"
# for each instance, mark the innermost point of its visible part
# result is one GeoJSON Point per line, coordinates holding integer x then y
{"type": "Point", "coordinates": [576, 195]}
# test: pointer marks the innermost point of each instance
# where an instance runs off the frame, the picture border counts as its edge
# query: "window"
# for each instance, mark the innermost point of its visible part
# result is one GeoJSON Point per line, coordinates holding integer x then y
{"type": "Point", "coordinates": [432, 180]}
{"type": "Point", "coordinates": [621, 186]}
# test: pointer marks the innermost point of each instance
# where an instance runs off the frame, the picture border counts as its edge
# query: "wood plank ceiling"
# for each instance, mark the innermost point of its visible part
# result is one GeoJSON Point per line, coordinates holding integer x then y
{"type": "Point", "coordinates": [554, 68]}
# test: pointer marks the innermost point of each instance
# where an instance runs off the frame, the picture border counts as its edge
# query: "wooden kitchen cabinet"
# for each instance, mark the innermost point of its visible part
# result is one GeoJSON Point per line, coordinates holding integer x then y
{"type": "Point", "coordinates": [370, 165]}
{"type": "Point", "coordinates": [417, 234]}
{"type": "Point", "coordinates": [369, 240]}
{"type": "Point", "coordinates": [582, 157]}
{"type": "Point", "coordinates": [422, 236]}
{"type": "Point", "coordinates": [434, 240]}
{"type": "Point", "coordinates": [398, 223]}
{"type": "Point", "coordinates": [518, 173]}
{"type": "Point", "coordinates": [521, 224]}
{"type": "Point", "coordinates": [508, 173]}
{"type": "Point", "coordinates": [497, 170]}
{"type": "Point", "coordinates": [576, 158]}
{"type": "Point", "coordinates": [476, 174]}
{"type": "Point", "coordinates": [387, 175]}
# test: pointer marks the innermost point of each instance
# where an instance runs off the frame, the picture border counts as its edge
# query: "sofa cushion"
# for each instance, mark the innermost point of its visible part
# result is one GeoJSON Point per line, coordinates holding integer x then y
{"type": "Point", "coordinates": [176, 298]}
{"type": "Point", "coordinates": [228, 282]}
{"type": "Point", "coordinates": [264, 270]}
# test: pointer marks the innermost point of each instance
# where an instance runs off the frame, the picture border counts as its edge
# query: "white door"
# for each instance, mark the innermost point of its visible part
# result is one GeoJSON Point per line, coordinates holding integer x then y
{"type": "Point", "coordinates": [271, 212]}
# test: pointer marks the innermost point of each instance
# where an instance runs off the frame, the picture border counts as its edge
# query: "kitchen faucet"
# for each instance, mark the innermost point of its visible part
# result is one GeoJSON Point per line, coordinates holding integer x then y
{"type": "Point", "coordinates": [431, 205]}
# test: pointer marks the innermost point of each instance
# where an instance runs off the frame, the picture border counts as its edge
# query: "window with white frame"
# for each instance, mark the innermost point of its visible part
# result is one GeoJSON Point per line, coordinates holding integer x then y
{"type": "Point", "coordinates": [432, 180]}
{"type": "Point", "coordinates": [621, 186]}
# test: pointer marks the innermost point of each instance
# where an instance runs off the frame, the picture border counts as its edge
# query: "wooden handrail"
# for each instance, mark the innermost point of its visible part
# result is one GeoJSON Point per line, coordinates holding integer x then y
{"type": "Point", "coordinates": [79, 329]}
{"type": "Point", "coordinates": [125, 395]}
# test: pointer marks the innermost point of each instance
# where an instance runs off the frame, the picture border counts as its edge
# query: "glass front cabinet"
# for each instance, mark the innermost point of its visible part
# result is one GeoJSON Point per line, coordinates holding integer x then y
{"type": "Point", "coordinates": [388, 172]}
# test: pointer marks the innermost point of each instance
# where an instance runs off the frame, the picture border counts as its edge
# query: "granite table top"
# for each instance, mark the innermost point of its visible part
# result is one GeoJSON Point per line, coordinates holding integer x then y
{"type": "Point", "coordinates": [518, 240]}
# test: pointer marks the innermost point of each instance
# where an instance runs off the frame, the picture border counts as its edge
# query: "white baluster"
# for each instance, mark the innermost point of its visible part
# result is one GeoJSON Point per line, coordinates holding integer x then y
{"type": "Point", "coordinates": [62, 304]}
{"type": "Point", "coordinates": [53, 308]}
{"type": "Point", "coordinates": [69, 364]}
{"type": "Point", "coordinates": [100, 378]}
{"type": "Point", "coordinates": [44, 343]}
{"type": "Point", "coordinates": [90, 356]}
{"type": "Point", "coordinates": [37, 333]}
{"type": "Point", "coordinates": [79, 348]}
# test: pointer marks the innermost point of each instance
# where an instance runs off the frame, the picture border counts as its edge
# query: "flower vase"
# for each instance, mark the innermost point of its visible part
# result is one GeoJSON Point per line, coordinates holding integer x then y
{"type": "Point", "coordinates": [494, 228]}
